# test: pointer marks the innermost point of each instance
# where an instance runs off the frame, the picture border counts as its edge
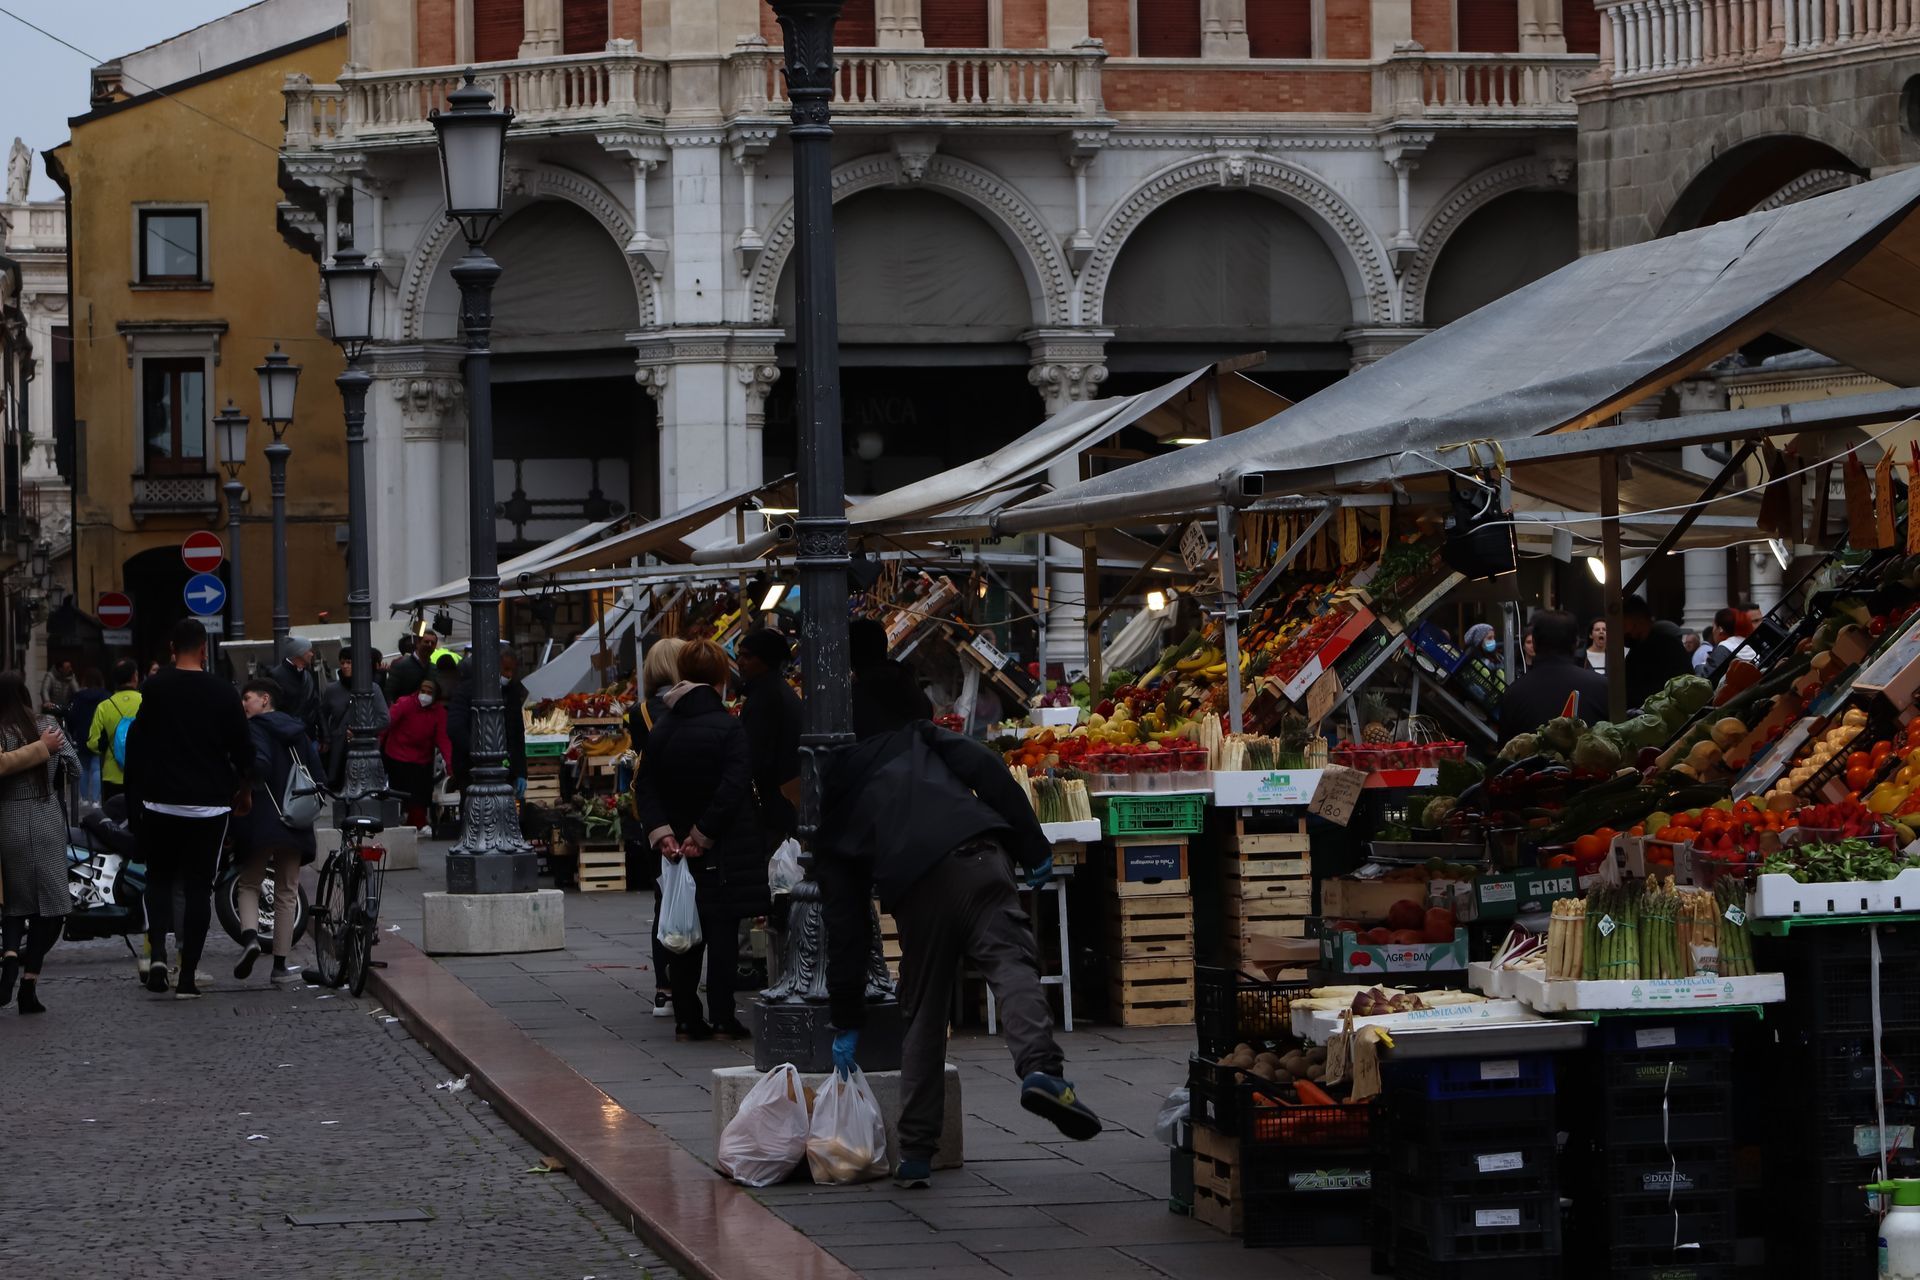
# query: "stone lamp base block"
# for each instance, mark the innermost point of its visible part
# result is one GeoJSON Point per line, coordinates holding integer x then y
{"type": "Point", "coordinates": [493, 924]}
{"type": "Point", "coordinates": [730, 1086]}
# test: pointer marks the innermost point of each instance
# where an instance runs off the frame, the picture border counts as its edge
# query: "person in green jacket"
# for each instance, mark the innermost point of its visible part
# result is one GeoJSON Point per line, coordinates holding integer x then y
{"type": "Point", "coordinates": [122, 704]}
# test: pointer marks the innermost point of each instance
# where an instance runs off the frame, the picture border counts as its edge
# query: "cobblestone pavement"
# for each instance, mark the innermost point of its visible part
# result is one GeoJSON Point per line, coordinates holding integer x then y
{"type": "Point", "coordinates": [1028, 1202]}
{"type": "Point", "coordinates": [151, 1137]}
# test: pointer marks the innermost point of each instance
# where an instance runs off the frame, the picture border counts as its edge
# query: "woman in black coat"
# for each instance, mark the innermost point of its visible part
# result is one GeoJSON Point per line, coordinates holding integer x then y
{"type": "Point", "coordinates": [261, 840]}
{"type": "Point", "coordinates": [695, 794]}
{"type": "Point", "coordinates": [658, 673]}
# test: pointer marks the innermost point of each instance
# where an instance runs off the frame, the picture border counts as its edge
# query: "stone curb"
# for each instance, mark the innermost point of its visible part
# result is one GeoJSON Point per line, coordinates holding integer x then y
{"type": "Point", "coordinates": [696, 1220]}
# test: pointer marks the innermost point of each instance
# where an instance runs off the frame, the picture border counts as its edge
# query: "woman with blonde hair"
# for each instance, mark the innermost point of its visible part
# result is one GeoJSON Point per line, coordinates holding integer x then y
{"type": "Point", "coordinates": [659, 672]}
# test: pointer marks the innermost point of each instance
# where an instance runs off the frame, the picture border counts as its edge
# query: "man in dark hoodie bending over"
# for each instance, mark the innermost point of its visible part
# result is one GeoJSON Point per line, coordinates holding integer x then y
{"type": "Point", "coordinates": [934, 821]}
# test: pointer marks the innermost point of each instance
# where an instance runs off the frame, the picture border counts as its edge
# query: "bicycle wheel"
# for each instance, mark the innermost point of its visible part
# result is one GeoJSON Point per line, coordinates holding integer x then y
{"type": "Point", "coordinates": [356, 937]}
{"type": "Point", "coordinates": [329, 924]}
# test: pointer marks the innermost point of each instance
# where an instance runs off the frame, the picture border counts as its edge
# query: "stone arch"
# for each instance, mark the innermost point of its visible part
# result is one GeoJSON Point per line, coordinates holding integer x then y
{"type": "Point", "coordinates": [1361, 256]}
{"type": "Point", "coordinates": [1049, 281]}
{"type": "Point", "coordinates": [1818, 182]}
{"type": "Point", "coordinates": [1530, 173]}
{"type": "Point", "coordinates": [525, 185]}
{"type": "Point", "coordinates": [1797, 121]}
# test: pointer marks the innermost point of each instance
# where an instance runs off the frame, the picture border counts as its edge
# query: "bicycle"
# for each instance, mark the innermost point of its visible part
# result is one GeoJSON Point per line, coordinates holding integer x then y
{"type": "Point", "coordinates": [346, 909]}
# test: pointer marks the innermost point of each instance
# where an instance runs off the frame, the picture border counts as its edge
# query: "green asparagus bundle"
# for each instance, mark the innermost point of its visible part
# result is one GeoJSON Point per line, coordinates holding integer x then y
{"type": "Point", "coordinates": [1736, 944]}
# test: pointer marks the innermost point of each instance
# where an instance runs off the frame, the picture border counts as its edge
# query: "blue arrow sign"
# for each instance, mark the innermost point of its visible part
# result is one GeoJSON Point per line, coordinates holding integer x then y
{"type": "Point", "coordinates": [205, 594]}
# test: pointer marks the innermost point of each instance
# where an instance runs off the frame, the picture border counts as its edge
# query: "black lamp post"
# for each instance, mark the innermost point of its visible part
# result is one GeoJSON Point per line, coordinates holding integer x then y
{"type": "Point", "coordinates": [279, 379]}
{"type": "Point", "coordinates": [793, 1017]}
{"type": "Point", "coordinates": [492, 856]}
{"type": "Point", "coordinates": [349, 280]}
{"type": "Point", "coordinates": [231, 424]}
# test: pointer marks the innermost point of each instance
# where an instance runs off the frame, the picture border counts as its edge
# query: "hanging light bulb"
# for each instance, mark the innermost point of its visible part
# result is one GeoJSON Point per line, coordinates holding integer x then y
{"type": "Point", "coordinates": [1156, 601]}
{"type": "Point", "coordinates": [1598, 568]}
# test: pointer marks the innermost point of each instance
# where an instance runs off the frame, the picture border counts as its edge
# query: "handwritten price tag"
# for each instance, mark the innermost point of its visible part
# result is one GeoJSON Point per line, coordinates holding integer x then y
{"type": "Point", "coordinates": [1322, 696]}
{"type": "Point", "coordinates": [1337, 793]}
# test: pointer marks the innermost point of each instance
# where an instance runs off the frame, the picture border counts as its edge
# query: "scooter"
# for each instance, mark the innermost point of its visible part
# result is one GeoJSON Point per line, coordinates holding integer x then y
{"type": "Point", "coordinates": [106, 878]}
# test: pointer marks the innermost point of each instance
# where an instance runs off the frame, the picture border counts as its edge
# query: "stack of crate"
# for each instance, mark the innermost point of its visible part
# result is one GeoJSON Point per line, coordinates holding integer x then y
{"type": "Point", "coordinates": [544, 753]}
{"type": "Point", "coordinates": [1266, 883]}
{"type": "Point", "coordinates": [890, 944]}
{"type": "Point", "coordinates": [1148, 910]}
{"type": "Point", "coordinates": [602, 866]}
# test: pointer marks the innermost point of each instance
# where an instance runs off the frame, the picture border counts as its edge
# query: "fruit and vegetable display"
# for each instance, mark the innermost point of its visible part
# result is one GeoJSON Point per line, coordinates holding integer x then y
{"type": "Point", "coordinates": [1055, 799]}
{"type": "Point", "coordinates": [1852, 858]}
{"type": "Point", "coordinates": [556, 715]}
{"type": "Point", "coordinates": [1652, 930]}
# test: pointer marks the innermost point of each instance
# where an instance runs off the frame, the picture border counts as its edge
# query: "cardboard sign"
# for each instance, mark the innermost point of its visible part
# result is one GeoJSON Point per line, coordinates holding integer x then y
{"type": "Point", "coordinates": [1322, 697]}
{"type": "Point", "coordinates": [1336, 794]}
{"type": "Point", "coordinates": [1194, 547]}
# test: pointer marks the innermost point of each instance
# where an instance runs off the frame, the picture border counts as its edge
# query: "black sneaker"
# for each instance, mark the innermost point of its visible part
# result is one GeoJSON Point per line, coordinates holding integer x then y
{"type": "Point", "coordinates": [9, 974]}
{"type": "Point", "coordinates": [185, 989]}
{"type": "Point", "coordinates": [662, 1005]}
{"type": "Point", "coordinates": [1054, 1099]}
{"type": "Point", "coordinates": [157, 977]}
{"type": "Point", "coordinates": [244, 969]}
{"type": "Point", "coordinates": [692, 1031]}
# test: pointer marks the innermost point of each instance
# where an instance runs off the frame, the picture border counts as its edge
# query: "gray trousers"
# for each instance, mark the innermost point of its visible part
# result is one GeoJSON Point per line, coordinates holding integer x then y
{"type": "Point", "coordinates": [965, 907]}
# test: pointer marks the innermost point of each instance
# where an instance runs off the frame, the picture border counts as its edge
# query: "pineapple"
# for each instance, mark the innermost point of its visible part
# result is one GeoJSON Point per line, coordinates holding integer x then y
{"type": "Point", "coordinates": [1378, 730]}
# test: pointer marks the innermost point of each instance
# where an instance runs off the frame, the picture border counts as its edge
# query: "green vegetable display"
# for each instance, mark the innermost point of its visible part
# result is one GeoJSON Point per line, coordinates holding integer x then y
{"type": "Point", "coordinates": [1840, 861]}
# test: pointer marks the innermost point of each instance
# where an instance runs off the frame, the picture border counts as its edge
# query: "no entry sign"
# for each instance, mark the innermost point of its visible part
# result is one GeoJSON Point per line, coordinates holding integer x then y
{"type": "Point", "coordinates": [202, 552]}
{"type": "Point", "coordinates": [114, 610]}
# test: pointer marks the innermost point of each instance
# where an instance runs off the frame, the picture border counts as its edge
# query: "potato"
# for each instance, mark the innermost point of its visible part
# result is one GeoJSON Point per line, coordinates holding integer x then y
{"type": "Point", "coordinates": [1294, 1061]}
{"type": "Point", "coordinates": [1264, 1071]}
{"type": "Point", "coordinates": [1317, 1054]}
{"type": "Point", "coordinates": [1318, 1071]}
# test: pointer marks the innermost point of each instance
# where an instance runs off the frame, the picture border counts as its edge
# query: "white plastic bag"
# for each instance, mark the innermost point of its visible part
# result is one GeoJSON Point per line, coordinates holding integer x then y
{"type": "Point", "coordinates": [679, 925]}
{"type": "Point", "coordinates": [783, 869]}
{"type": "Point", "coordinates": [1173, 1113]}
{"type": "Point", "coordinates": [848, 1141]}
{"type": "Point", "coordinates": [766, 1141]}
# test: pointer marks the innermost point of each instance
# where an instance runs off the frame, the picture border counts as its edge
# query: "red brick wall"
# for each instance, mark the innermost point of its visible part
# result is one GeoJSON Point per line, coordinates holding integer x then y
{"type": "Point", "coordinates": [433, 33]}
{"type": "Point", "coordinates": [498, 28]}
{"type": "Point", "coordinates": [1280, 29]}
{"type": "Point", "coordinates": [855, 30]}
{"type": "Point", "coordinates": [1489, 26]}
{"type": "Point", "coordinates": [1023, 24]}
{"type": "Point", "coordinates": [583, 26]}
{"type": "Point", "coordinates": [1168, 28]}
{"type": "Point", "coordinates": [1111, 21]}
{"type": "Point", "coordinates": [956, 24]}
{"type": "Point", "coordinates": [1580, 21]}
{"type": "Point", "coordinates": [769, 27]}
{"type": "Point", "coordinates": [1137, 88]}
{"type": "Point", "coordinates": [1349, 29]}
{"type": "Point", "coordinates": [1433, 24]}
{"type": "Point", "coordinates": [626, 20]}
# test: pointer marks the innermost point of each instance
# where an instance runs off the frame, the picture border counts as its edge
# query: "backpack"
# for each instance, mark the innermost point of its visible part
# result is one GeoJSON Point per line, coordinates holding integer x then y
{"type": "Point", "coordinates": [120, 730]}
{"type": "Point", "coordinates": [301, 803]}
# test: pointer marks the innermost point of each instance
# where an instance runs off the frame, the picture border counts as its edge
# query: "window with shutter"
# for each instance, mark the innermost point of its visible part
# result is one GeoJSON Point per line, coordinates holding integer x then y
{"type": "Point", "coordinates": [1280, 29]}
{"type": "Point", "coordinates": [583, 26]}
{"type": "Point", "coordinates": [1580, 21]}
{"type": "Point", "coordinates": [1489, 26]}
{"type": "Point", "coordinates": [1168, 29]}
{"type": "Point", "coordinates": [855, 28]}
{"type": "Point", "coordinates": [498, 28]}
{"type": "Point", "coordinates": [954, 24]}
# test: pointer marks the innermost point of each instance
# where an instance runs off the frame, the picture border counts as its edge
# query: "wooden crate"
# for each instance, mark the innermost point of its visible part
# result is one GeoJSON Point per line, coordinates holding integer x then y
{"type": "Point", "coordinates": [1265, 843]}
{"type": "Point", "coordinates": [1264, 897]}
{"type": "Point", "coordinates": [1216, 1162]}
{"type": "Point", "coordinates": [603, 866]}
{"type": "Point", "coordinates": [1069, 853]}
{"type": "Point", "coordinates": [1151, 889]}
{"type": "Point", "coordinates": [1151, 993]}
{"type": "Point", "coordinates": [1212, 1209]}
{"type": "Point", "coordinates": [1159, 928]}
{"type": "Point", "coordinates": [1149, 860]}
{"type": "Point", "coordinates": [890, 944]}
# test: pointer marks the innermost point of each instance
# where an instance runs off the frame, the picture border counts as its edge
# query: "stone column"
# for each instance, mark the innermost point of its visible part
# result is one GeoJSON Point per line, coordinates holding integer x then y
{"type": "Point", "coordinates": [542, 38]}
{"type": "Point", "coordinates": [896, 24]}
{"type": "Point", "coordinates": [1223, 29]}
{"type": "Point", "coordinates": [1374, 344]}
{"type": "Point", "coordinates": [1066, 365]}
{"type": "Point", "coordinates": [709, 389]}
{"type": "Point", "coordinates": [416, 432]}
{"type": "Point", "coordinates": [1769, 580]}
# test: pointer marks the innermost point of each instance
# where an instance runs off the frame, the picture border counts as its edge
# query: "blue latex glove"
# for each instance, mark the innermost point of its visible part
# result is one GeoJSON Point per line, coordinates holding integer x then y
{"type": "Point", "coordinates": [844, 1044]}
{"type": "Point", "coordinates": [1039, 875]}
{"type": "Point", "coordinates": [520, 789]}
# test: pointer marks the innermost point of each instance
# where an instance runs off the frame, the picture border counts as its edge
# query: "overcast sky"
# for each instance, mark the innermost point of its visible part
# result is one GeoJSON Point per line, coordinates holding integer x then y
{"type": "Point", "coordinates": [42, 83]}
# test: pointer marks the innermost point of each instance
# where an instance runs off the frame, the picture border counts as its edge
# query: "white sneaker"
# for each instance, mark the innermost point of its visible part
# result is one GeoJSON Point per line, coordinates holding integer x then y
{"type": "Point", "coordinates": [662, 1005]}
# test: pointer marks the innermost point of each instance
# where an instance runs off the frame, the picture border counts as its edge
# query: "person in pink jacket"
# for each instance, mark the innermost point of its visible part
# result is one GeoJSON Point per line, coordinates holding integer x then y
{"type": "Point", "coordinates": [416, 728]}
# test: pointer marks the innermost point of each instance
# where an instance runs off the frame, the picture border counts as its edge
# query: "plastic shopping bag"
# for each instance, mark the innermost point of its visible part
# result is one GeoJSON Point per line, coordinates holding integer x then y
{"type": "Point", "coordinates": [766, 1141]}
{"type": "Point", "coordinates": [1173, 1113]}
{"type": "Point", "coordinates": [848, 1142]}
{"type": "Point", "coordinates": [783, 869]}
{"type": "Point", "coordinates": [679, 925]}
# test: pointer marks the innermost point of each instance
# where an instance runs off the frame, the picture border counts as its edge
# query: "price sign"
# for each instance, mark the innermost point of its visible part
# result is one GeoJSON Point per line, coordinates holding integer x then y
{"type": "Point", "coordinates": [1322, 696]}
{"type": "Point", "coordinates": [1194, 547]}
{"type": "Point", "coordinates": [1337, 793]}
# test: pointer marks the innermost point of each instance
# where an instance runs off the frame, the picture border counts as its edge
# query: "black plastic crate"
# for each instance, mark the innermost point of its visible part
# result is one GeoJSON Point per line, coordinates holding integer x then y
{"type": "Point", "coordinates": [1646, 1035]}
{"type": "Point", "coordinates": [1663, 1069]}
{"type": "Point", "coordinates": [1686, 1169]}
{"type": "Point", "coordinates": [1670, 1222]}
{"type": "Point", "coordinates": [1836, 1134]}
{"type": "Point", "coordinates": [1413, 1265]}
{"type": "Point", "coordinates": [1849, 1252]}
{"type": "Point", "coordinates": [1845, 990]}
{"type": "Point", "coordinates": [1268, 1121]}
{"type": "Point", "coordinates": [1651, 1117]}
{"type": "Point", "coordinates": [1305, 1170]}
{"type": "Point", "coordinates": [1213, 1093]}
{"type": "Point", "coordinates": [1447, 1079]}
{"type": "Point", "coordinates": [1295, 1221]}
{"type": "Point", "coordinates": [1840, 1067]}
{"type": "Point", "coordinates": [1475, 1124]}
{"type": "Point", "coordinates": [1715, 1262]}
{"type": "Point", "coordinates": [1524, 1167]}
{"type": "Point", "coordinates": [1481, 1225]}
{"type": "Point", "coordinates": [1231, 1009]}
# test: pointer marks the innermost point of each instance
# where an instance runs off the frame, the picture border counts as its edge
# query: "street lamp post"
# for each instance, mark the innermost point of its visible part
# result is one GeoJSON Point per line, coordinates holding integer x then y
{"type": "Point", "coordinates": [231, 425]}
{"type": "Point", "coordinates": [279, 379]}
{"type": "Point", "coordinates": [492, 856]}
{"type": "Point", "coordinates": [793, 1017]}
{"type": "Point", "coordinates": [349, 279]}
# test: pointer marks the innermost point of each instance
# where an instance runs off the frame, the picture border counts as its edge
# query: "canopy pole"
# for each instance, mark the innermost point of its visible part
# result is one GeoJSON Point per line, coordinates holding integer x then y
{"type": "Point", "coordinates": [1090, 599]}
{"type": "Point", "coordinates": [1685, 522]}
{"type": "Point", "coordinates": [1042, 606]}
{"type": "Point", "coordinates": [1610, 589]}
{"type": "Point", "coordinates": [1229, 600]}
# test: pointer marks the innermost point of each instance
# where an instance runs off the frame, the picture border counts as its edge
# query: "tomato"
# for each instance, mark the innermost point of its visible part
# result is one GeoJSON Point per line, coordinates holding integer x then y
{"type": "Point", "coordinates": [1606, 834]}
{"type": "Point", "coordinates": [1638, 829]}
{"type": "Point", "coordinates": [1859, 777]}
{"type": "Point", "coordinates": [1589, 846]}
{"type": "Point", "coordinates": [1673, 834]}
{"type": "Point", "coordinates": [1881, 751]}
{"type": "Point", "coordinates": [1859, 760]}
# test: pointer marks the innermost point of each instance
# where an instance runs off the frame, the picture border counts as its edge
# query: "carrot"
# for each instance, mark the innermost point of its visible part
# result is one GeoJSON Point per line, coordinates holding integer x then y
{"type": "Point", "coordinates": [1313, 1094]}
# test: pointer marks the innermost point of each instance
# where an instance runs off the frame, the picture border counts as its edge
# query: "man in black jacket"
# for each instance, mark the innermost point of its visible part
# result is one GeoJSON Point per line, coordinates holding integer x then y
{"type": "Point", "coordinates": [770, 712]}
{"type": "Point", "coordinates": [299, 694]}
{"type": "Point", "coordinates": [1655, 652]}
{"type": "Point", "coordinates": [408, 670]}
{"type": "Point", "coordinates": [336, 709]}
{"type": "Point", "coordinates": [1539, 695]}
{"type": "Point", "coordinates": [934, 821]}
{"type": "Point", "coordinates": [189, 768]}
{"type": "Point", "coordinates": [884, 691]}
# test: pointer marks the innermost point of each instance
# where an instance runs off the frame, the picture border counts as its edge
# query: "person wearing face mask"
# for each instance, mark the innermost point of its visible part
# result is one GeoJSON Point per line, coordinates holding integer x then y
{"type": "Point", "coordinates": [416, 728]}
{"type": "Point", "coordinates": [1481, 642]}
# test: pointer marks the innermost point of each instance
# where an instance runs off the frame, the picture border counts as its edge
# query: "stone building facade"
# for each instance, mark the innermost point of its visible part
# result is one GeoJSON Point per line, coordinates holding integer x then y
{"type": "Point", "coordinates": [1037, 201]}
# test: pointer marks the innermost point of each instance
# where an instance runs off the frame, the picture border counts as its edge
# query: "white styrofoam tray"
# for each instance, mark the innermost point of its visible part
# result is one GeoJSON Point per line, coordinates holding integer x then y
{"type": "Point", "coordinates": [1321, 1023]}
{"type": "Point", "coordinates": [1535, 991]}
{"type": "Point", "coordinates": [1776, 895]}
{"type": "Point", "coordinates": [1083, 832]}
{"type": "Point", "coordinates": [1053, 717]}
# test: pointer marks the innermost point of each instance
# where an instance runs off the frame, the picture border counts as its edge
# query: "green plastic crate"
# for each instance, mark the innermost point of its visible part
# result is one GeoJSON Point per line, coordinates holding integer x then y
{"type": "Point", "coordinates": [1153, 815]}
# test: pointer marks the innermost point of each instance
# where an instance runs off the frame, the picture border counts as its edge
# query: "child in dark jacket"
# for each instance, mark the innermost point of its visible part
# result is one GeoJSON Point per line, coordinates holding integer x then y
{"type": "Point", "coordinates": [262, 838]}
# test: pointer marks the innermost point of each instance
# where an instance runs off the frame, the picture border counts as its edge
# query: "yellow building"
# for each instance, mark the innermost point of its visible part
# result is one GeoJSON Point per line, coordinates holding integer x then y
{"type": "Point", "coordinates": [182, 283]}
